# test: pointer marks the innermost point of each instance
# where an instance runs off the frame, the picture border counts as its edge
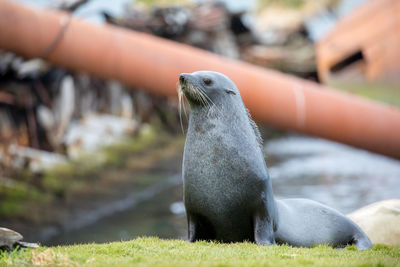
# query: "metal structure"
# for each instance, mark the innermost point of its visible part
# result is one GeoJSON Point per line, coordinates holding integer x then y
{"type": "Point", "coordinates": [359, 41]}
{"type": "Point", "coordinates": [154, 64]}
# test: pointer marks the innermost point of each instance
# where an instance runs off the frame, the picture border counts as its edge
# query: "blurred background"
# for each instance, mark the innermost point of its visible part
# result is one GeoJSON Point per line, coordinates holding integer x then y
{"type": "Point", "coordinates": [88, 159]}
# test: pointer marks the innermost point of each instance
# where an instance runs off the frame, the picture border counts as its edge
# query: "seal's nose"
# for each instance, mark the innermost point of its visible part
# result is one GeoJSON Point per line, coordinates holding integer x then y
{"type": "Point", "coordinates": [182, 77]}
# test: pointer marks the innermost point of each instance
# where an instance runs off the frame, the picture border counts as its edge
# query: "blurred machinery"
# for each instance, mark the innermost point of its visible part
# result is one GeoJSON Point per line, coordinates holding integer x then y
{"type": "Point", "coordinates": [366, 42]}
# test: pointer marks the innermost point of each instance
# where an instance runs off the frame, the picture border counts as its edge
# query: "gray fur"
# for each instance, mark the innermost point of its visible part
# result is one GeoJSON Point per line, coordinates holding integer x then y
{"type": "Point", "coordinates": [227, 191]}
{"type": "Point", "coordinates": [255, 129]}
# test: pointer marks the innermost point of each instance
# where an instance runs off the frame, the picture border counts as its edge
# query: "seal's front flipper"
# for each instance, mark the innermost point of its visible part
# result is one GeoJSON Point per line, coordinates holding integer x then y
{"type": "Point", "coordinates": [263, 230]}
{"type": "Point", "coordinates": [191, 229]}
{"type": "Point", "coordinates": [199, 228]}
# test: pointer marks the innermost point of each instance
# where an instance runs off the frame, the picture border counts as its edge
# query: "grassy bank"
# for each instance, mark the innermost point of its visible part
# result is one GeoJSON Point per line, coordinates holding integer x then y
{"type": "Point", "coordinates": [380, 91]}
{"type": "Point", "coordinates": [156, 252]}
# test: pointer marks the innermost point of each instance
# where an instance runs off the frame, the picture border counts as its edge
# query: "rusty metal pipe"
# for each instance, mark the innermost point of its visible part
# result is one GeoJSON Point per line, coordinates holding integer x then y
{"type": "Point", "coordinates": [151, 63]}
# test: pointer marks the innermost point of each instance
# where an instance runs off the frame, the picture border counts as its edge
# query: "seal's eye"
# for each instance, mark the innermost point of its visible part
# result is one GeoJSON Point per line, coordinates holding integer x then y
{"type": "Point", "coordinates": [207, 81]}
{"type": "Point", "coordinates": [229, 91]}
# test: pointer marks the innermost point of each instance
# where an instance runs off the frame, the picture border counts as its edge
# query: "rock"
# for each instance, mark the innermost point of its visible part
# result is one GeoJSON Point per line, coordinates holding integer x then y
{"type": "Point", "coordinates": [178, 208]}
{"type": "Point", "coordinates": [66, 105]}
{"type": "Point", "coordinates": [38, 160]}
{"type": "Point", "coordinates": [8, 238]}
{"type": "Point", "coordinates": [27, 244]}
{"type": "Point", "coordinates": [96, 130]}
{"type": "Point", "coordinates": [380, 221]}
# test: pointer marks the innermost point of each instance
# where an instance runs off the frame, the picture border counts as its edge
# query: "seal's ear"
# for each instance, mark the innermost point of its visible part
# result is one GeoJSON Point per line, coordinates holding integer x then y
{"type": "Point", "coordinates": [229, 91]}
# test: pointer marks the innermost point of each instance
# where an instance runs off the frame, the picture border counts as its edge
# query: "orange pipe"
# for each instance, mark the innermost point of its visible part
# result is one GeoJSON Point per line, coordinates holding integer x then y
{"type": "Point", "coordinates": [151, 63]}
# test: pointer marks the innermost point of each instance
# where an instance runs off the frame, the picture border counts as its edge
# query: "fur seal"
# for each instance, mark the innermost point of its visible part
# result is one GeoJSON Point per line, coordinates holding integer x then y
{"type": "Point", "coordinates": [227, 191]}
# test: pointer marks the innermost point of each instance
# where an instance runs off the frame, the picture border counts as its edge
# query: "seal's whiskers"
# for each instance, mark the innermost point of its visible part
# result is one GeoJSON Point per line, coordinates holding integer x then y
{"type": "Point", "coordinates": [211, 104]}
{"type": "Point", "coordinates": [181, 105]}
{"type": "Point", "coordinates": [197, 94]}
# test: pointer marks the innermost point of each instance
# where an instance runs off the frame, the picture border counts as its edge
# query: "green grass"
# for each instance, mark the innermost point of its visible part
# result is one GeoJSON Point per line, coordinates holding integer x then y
{"type": "Point", "coordinates": [385, 92]}
{"type": "Point", "coordinates": [295, 4]}
{"type": "Point", "coordinates": [152, 3]}
{"type": "Point", "coordinates": [156, 252]}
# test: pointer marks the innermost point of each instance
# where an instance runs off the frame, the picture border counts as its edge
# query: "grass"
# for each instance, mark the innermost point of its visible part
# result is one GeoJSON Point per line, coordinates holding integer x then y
{"type": "Point", "coordinates": [152, 3]}
{"type": "Point", "coordinates": [294, 4]}
{"type": "Point", "coordinates": [283, 3]}
{"type": "Point", "coordinates": [151, 251]}
{"type": "Point", "coordinates": [385, 92]}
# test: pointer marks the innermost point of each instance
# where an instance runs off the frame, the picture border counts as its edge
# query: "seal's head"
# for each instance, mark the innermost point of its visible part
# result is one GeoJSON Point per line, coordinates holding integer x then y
{"type": "Point", "coordinates": [203, 88]}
